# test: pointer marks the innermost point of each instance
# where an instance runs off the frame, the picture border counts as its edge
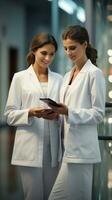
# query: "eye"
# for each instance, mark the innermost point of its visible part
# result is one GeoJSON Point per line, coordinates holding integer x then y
{"type": "Point", "coordinates": [65, 48]}
{"type": "Point", "coordinates": [72, 48]}
{"type": "Point", "coordinates": [52, 54]}
{"type": "Point", "coordinates": [44, 53]}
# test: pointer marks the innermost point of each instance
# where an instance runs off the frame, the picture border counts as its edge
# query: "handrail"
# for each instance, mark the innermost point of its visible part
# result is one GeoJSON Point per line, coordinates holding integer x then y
{"type": "Point", "coordinates": [105, 137]}
{"type": "Point", "coordinates": [108, 104]}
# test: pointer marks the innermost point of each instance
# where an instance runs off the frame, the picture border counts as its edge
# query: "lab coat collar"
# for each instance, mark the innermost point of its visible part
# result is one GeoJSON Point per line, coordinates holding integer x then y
{"type": "Point", "coordinates": [35, 81]}
{"type": "Point", "coordinates": [86, 66]}
{"type": "Point", "coordinates": [31, 70]}
{"type": "Point", "coordinates": [84, 69]}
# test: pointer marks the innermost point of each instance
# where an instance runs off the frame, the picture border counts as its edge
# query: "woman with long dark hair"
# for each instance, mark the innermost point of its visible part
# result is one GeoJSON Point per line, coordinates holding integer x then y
{"type": "Point", "coordinates": [37, 146]}
{"type": "Point", "coordinates": [83, 104]}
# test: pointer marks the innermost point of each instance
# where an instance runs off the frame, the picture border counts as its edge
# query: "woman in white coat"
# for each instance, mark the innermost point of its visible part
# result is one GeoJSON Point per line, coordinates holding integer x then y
{"type": "Point", "coordinates": [37, 146]}
{"type": "Point", "coordinates": [83, 97]}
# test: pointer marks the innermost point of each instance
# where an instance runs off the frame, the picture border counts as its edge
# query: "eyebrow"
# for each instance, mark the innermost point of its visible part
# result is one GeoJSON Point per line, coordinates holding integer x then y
{"type": "Point", "coordinates": [71, 46]}
{"type": "Point", "coordinates": [45, 51]}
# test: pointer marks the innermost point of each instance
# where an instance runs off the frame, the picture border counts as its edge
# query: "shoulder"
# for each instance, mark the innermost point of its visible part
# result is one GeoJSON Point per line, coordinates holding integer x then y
{"type": "Point", "coordinates": [96, 74]}
{"type": "Point", "coordinates": [19, 77]}
{"type": "Point", "coordinates": [94, 70]}
{"type": "Point", "coordinates": [20, 74]}
{"type": "Point", "coordinates": [67, 74]}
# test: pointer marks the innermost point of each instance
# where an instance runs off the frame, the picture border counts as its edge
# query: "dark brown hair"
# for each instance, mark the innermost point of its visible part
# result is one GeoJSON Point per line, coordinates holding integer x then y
{"type": "Point", "coordinates": [39, 41]}
{"type": "Point", "coordinates": [80, 34]}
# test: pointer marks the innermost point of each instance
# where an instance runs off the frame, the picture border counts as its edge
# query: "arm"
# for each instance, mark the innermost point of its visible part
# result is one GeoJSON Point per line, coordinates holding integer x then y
{"type": "Point", "coordinates": [95, 114]}
{"type": "Point", "coordinates": [16, 116]}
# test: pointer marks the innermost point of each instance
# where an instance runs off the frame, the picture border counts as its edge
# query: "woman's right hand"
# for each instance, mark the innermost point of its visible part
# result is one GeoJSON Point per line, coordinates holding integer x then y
{"type": "Point", "coordinates": [35, 112]}
{"type": "Point", "coordinates": [43, 112]}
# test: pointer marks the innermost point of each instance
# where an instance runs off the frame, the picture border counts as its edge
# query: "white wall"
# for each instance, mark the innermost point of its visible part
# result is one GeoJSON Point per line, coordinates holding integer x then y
{"type": "Point", "coordinates": [12, 34]}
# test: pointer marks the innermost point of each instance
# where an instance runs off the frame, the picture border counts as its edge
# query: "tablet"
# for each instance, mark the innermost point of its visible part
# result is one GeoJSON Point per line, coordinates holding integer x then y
{"type": "Point", "coordinates": [49, 101]}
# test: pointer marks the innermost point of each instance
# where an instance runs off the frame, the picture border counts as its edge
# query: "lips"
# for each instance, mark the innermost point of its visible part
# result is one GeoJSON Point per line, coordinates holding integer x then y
{"type": "Point", "coordinates": [71, 57]}
{"type": "Point", "coordinates": [45, 63]}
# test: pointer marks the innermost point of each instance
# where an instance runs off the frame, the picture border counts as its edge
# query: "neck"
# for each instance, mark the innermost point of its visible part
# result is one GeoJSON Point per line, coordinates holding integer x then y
{"type": "Point", "coordinates": [41, 73]}
{"type": "Point", "coordinates": [39, 70]}
{"type": "Point", "coordinates": [80, 63]}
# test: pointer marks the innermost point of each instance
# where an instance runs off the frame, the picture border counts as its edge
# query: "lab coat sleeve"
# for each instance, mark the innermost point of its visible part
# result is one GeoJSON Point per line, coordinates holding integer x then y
{"type": "Point", "coordinates": [95, 114]}
{"type": "Point", "coordinates": [15, 116]}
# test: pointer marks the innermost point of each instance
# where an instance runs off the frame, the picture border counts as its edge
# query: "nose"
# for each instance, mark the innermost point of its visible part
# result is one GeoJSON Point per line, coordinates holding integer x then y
{"type": "Point", "coordinates": [48, 58]}
{"type": "Point", "coordinates": [68, 51]}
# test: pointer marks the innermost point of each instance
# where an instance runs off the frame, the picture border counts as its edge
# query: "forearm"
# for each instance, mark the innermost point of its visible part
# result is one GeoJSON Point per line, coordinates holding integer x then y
{"type": "Point", "coordinates": [18, 117]}
{"type": "Point", "coordinates": [85, 116]}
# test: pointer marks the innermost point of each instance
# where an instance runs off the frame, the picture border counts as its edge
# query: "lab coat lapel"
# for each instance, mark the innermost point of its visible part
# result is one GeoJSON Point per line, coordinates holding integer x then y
{"type": "Point", "coordinates": [75, 81]}
{"type": "Point", "coordinates": [51, 83]}
{"type": "Point", "coordinates": [64, 87]}
{"type": "Point", "coordinates": [81, 73]}
{"type": "Point", "coordinates": [34, 80]}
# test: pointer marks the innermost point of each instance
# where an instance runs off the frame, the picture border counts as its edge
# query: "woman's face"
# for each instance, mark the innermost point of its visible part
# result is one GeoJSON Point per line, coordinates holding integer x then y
{"type": "Point", "coordinates": [44, 55]}
{"type": "Point", "coordinates": [74, 50]}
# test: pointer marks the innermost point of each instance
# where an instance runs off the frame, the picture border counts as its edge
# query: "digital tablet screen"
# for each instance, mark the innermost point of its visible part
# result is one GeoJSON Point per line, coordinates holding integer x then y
{"type": "Point", "coordinates": [49, 101]}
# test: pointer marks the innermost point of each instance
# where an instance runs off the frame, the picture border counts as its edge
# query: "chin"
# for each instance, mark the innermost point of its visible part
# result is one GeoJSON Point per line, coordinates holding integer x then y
{"type": "Point", "coordinates": [44, 66]}
{"type": "Point", "coordinates": [72, 59]}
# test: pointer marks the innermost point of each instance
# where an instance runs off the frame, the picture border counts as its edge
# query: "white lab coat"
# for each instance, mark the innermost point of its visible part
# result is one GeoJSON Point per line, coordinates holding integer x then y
{"type": "Point", "coordinates": [24, 93]}
{"type": "Point", "coordinates": [85, 99]}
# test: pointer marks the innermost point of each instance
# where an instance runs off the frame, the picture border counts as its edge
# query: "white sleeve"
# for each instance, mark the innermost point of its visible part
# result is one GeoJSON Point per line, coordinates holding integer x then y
{"type": "Point", "coordinates": [16, 116]}
{"type": "Point", "coordinates": [95, 114]}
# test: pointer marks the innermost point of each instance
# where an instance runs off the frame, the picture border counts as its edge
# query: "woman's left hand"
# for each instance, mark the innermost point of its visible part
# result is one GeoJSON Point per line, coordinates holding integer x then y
{"type": "Point", "coordinates": [61, 109]}
{"type": "Point", "coordinates": [49, 114]}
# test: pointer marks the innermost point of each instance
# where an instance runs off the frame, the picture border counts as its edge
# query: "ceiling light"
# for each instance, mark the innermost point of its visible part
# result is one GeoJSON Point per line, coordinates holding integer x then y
{"type": "Point", "coordinates": [71, 7]}
{"type": "Point", "coordinates": [68, 6]}
{"type": "Point", "coordinates": [81, 14]}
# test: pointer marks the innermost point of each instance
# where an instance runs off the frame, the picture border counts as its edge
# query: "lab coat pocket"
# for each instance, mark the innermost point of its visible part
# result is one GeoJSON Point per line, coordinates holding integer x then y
{"type": "Point", "coordinates": [25, 147]}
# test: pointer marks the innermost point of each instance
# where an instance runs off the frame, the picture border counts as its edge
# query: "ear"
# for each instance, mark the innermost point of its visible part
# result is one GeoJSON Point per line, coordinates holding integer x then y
{"type": "Point", "coordinates": [33, 53]}
{"type": "Point", "coordinates": [85, 44]}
